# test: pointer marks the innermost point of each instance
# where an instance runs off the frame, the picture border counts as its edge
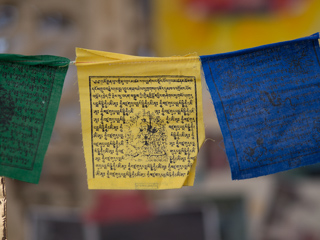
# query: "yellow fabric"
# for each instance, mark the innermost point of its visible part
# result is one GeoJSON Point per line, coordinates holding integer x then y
{"type": "Point", "coordinates": [181, 27]}
{"type": "Point", "coordinates": [141, 117]}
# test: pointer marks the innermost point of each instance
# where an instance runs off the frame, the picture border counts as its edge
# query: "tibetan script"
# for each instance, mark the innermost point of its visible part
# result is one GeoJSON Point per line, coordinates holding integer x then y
{"type": "Point", "coordinates": [143, 126]}
{"type": "Point", "coordinates": [141, 117]}
{"type": "Point", "coordinates": [267, 103]}
{"type": "Point", "coordinates": [27, 93]}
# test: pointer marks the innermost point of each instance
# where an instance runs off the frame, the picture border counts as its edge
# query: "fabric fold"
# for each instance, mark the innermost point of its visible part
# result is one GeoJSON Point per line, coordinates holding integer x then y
{"type": "Point", "coordinates": [30, 91]}
{"type": "Point", "coordinates": [267, 104]}
{"type": "Point", "coordinates": [142, 123]}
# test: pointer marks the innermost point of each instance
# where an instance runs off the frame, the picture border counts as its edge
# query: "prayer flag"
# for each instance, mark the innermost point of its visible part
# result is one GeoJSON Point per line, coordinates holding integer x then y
{"type": "Point", "coordinates": [141, 117]}
{"type": "Point", "coordinates": [267, 103]}
{"type": "Point", "coordinates": [30, 90]}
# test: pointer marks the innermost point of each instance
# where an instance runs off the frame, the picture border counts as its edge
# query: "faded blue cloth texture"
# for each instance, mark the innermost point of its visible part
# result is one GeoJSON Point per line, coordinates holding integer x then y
{"type": "Point", "coordinates": [267, 101]}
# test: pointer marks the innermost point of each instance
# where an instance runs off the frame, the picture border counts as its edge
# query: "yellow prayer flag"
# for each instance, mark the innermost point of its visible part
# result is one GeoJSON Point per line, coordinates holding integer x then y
{"type": "Point", "coordinates": [142, 122]}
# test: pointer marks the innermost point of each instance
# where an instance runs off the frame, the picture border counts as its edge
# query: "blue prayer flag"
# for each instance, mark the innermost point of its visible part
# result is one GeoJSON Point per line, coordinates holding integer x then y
{"type": "Point", "coordinates": [267, 101]}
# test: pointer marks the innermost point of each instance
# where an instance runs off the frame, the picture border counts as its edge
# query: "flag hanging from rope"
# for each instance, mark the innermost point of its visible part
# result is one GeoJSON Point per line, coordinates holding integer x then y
{"type": "Point", "coordinates": [30, 90]}
{"type": "Point", "coordinates": [267, 103]}
{"type": "Point", "coordinates": [141, 117]}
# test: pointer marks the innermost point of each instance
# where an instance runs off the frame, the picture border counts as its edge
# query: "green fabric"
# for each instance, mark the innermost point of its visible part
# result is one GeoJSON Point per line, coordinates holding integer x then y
{"type": "Point", "coordinates": [30, 91]}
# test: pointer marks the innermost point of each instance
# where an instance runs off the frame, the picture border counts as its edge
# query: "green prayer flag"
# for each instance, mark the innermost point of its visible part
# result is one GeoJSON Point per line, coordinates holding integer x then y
{"type": "Point", "coordinates": [30, 91]}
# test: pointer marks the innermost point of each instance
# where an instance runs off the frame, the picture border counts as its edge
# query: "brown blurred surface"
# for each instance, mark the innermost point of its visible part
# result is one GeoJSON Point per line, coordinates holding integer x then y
{"type": "Point", "coordinates": [34, 27]}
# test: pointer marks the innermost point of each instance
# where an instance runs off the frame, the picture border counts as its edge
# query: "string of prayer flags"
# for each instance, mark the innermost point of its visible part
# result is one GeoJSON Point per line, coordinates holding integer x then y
{"type": "Point", "coordinates": [267, 103]}
{"type": "Point", "coordinates": [142, 122]}
{"type": "Point", "coordinates": [30, 90]}
{"type": "Point", "coordinates": [141, 117]}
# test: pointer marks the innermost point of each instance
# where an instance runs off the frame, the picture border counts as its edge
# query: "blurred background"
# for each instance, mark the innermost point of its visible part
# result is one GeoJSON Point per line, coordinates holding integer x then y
{"type": "Point", "coordinates": [280, 206]}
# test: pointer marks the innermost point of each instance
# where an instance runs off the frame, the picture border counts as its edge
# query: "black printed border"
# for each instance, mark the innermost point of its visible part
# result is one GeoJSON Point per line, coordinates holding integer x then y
{"type": "Point", "coordinates": [139, 77]}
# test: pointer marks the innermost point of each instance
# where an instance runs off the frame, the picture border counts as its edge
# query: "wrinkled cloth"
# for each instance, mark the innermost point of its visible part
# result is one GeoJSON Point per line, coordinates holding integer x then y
{"type": "Point", "coordinates": [142, 123]}
{"type": "Point", "coordinates": [267, 103]}
{"type": "Point", "coordinates": [30, 91]}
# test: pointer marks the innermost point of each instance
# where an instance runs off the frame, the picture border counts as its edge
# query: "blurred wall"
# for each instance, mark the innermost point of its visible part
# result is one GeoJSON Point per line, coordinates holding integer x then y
{"type": "Point", "coordinates": [215, 26]}
{"type": "Point", "coordinates": [56, 27]}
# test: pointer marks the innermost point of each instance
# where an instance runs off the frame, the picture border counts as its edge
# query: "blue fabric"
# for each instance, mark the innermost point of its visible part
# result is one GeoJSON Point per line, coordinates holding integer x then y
{"type": "Point", "coordinates": [268, 105]}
